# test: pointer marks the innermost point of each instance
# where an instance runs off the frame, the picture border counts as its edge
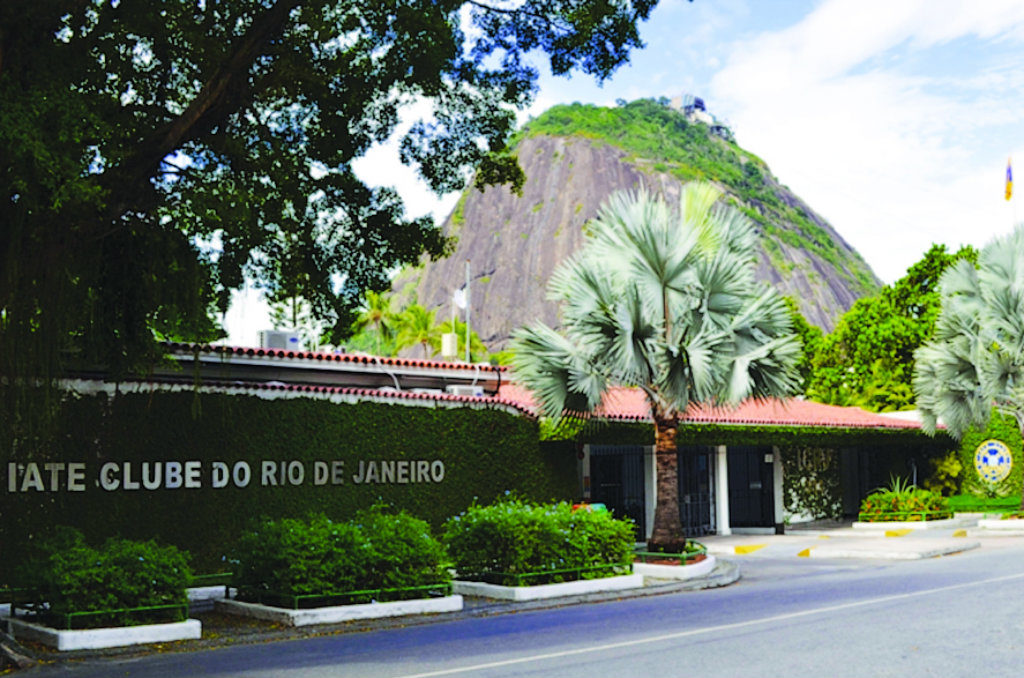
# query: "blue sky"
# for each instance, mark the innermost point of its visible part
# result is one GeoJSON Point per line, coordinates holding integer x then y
{"type": "Point", "coordinates": [894, 120]}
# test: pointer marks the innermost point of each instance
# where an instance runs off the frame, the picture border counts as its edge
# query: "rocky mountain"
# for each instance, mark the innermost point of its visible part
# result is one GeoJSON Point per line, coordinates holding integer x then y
{"type": "Point", "coordinates": [576, 156]}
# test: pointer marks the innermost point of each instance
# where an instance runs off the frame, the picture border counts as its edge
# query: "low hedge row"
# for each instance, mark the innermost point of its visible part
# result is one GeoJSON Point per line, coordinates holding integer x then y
{"type": "Point", "coordinates": [373, 550]}
{"type": "Point", "coordinates": [320, 557]}
{"type": "Point", "coordinates": [66, 576]}
{"type": "Point", "coordinates": [513, 537]}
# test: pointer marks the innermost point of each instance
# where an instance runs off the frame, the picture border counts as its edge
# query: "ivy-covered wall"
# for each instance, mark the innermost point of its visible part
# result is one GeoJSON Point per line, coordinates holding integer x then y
{"type": "Point", "coordinates": [432, 462]}
{"type": "Point", "coordinates": [1003, 428]}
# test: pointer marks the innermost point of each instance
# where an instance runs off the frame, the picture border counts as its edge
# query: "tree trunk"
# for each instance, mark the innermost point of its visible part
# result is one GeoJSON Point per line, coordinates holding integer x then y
{"type": "Point", "coordinates": [668, 535]}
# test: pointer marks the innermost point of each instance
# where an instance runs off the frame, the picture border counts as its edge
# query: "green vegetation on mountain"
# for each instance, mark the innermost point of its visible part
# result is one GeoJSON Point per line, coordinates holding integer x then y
{"type": "Point", "coordinates": [660, 138]}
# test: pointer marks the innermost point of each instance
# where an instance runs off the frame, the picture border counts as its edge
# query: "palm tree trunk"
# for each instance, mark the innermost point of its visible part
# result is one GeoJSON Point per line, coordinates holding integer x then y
{"type": "Point", "coordinates": [668, 535]}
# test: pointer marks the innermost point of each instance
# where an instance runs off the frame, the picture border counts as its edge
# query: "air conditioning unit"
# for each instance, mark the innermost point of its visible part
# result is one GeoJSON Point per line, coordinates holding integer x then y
{"type": "Point", "coordinates": [286, 339]}
{"type": "Point", "coordinates": [464, 390]}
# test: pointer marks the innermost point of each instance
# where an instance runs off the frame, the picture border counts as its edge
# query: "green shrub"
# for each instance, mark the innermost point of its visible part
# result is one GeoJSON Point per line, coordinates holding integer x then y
{"type": "Point", "coordinates": [320, 557]}
{"type": "Point", "coordinates": [901, 502]}
{"type": "Point", "coordinates": [72, 577]}
{"type": "Point", "coordinates": [972, 503]}
{"type": "Point", "coordinates": [296, 557]}
{"type": "Point", "coordinates": [946, 474]}
{"type": "Point", "coordinates": [514, 538]}
{"type": "Point", "coordinates": [402, 551]}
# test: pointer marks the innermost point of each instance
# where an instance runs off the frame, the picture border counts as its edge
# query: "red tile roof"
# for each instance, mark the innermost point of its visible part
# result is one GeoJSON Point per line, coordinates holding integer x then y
{"type": "Point", "coordinates": [312, 390]}
{"type": "Point", "coordinates": [630, 404]}
{"type": "Point", "coordinates": [323, 356]}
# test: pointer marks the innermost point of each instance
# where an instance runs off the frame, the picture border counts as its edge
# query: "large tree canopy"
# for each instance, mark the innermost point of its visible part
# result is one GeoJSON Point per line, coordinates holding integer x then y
{"type": "Point", "coordinates": [155, 154]}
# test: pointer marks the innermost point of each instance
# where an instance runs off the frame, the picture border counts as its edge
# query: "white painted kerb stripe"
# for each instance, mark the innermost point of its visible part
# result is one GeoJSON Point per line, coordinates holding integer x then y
{"type": "Point", "coordinates": [708, 629]}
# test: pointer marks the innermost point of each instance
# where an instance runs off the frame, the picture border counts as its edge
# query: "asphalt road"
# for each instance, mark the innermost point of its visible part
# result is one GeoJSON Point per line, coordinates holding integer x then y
{"type": "Point", "coordinates": [960, 615]}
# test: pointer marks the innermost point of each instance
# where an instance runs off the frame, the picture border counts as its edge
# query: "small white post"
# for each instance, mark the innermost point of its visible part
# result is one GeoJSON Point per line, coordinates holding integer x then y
{"type": "Point", "coordinates": [722, 491]}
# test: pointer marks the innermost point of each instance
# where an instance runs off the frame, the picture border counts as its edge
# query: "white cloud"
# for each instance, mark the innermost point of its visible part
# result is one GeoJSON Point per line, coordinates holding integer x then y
{"type": "Point", "coordinates": [848, 109]}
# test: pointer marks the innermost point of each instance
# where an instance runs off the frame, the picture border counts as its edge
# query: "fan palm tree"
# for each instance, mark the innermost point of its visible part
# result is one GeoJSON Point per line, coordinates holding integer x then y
{"type": "Point", "coordinates": [665, 301]}
{"type": "Point", "coordinates": [375, 313]}
{"type": "Point", "coordinates": [416, 325]}
{"type": "Point", "coordinates": [975, 359]}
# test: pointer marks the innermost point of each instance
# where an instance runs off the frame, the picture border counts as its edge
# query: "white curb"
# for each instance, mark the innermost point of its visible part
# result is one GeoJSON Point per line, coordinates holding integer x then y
{"type": "Point", "coordinates": [681, 572]}
{"type": "Point", "coordinates": [339, 613]}
{"type": "Point", "coordinates": [568, 588]}
{"type": "Point", "coordinates": [945, 523]}
{"type": "Point", "coordinates": [893, 550]}
{"type": "Point", "coordinates": [1002, 526]}
{"type": "Point", "coordinates": [95, 639]}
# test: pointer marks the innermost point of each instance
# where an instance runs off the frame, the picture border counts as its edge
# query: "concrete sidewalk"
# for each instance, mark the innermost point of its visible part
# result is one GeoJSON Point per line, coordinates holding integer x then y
{"type": "Point", "coordinates": [890, 542]}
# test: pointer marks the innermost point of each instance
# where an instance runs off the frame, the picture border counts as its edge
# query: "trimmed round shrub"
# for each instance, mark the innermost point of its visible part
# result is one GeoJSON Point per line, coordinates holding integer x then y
{"type": "Point", "coordinates": [512, 537]}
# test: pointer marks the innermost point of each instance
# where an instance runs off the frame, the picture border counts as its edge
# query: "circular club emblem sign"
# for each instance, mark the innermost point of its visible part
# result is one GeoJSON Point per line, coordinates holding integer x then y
{"type": "Point", "coordinates": [993, 461]}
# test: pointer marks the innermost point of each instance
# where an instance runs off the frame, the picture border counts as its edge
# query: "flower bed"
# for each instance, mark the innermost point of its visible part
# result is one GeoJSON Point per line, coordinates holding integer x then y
{"type": "Point", "coordinates": [693, 562]}
{"type": "Point", "coordinates": [902, 502]}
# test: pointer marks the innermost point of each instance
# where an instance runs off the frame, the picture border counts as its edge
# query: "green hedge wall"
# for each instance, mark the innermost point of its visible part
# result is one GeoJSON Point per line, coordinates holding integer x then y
{"type": "Point", "coordinates": [1005, 429]}
{"type": "Point", "coordinates": [484, 453]}
{"type": "Point", "coordinates": [912, 441]}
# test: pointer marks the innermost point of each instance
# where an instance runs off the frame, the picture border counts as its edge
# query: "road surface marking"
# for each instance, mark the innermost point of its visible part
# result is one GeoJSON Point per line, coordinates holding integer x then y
{"type": "Point", "coordinates": [960, 533]}
{"type": "Point", "coordinates": [709, 629]}
{"type": "Point", "coordinates": [748, 548]}
{"type": "Point", "coordinates": [898, 533]}
{"type": "Point", "coordinates": [806, 553]}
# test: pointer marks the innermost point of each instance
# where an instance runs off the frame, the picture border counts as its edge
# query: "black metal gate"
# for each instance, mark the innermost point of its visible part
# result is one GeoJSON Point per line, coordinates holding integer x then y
{"type": "Point", "coordinates": [617, 481]}
{"type": "Point", "coordinates": [751, 487]}
{"type": "Point", "coordinates": [697, 489]}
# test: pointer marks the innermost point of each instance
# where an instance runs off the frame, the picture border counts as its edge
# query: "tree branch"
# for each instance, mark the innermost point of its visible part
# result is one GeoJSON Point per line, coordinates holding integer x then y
{"type": "Point", "coordinates": [219, 97]}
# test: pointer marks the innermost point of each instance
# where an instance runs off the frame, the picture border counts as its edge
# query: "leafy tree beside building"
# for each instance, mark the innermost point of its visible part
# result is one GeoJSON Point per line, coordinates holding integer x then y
{"type": "Point", "coordinates": [868, 360]}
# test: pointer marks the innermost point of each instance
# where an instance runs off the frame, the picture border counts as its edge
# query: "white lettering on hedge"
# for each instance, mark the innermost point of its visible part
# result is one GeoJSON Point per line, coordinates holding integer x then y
{"type": "Point", "coordinates": [401, 472]}
{"type": "Point", "coordinates": [108, 481]}
{"type": "Point", "coordinates": [54, 477]}
{"type": "Point", "coordinates": [240, 474]}
{"type": "Point", "coordinates": [171, 475]}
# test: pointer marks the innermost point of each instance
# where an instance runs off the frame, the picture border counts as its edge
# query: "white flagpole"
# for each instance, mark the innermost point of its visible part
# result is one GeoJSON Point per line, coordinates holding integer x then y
{"type": "Point", "coordinates": [468, 304]}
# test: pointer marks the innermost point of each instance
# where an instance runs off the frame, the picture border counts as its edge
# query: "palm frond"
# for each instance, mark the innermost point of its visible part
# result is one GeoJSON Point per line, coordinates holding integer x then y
{"type": "Point", "coordinates": [556, 370]}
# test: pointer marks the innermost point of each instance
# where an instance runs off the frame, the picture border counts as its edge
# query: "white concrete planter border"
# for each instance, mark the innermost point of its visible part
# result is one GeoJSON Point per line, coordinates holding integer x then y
{"type": "Point", "coordinates": [945, 523]}
{"type": "Point", "coordinates": [198, 594]}
{"type": "Point", "coordinates": [339, 613]}
{"type": "Point", "coordinates": [681, 572]}
{"type": "Point", "coordinates": [568, 588]}
{"type": "Point", "coordinates": [95, 639]}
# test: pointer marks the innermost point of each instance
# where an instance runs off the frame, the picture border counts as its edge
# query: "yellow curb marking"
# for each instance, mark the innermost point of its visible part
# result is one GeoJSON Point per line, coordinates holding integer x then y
{"type": "Point", "coordinates": [898, 533]}
{"type": "Point", "coordinates": [960, 533]}
{"type": "Point", "coordinates": [806, 553]}
{"type": "Point", "coordinates": [749, 548]}
{"type": "Point", "coordinates": [824, 536]}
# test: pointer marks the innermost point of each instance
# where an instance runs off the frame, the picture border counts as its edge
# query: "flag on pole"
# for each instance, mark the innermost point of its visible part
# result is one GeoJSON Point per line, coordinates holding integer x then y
{"type": "Point", "coordinates": [1009, 180]}
{"type": "Point", "coordinates": [460, 296]}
